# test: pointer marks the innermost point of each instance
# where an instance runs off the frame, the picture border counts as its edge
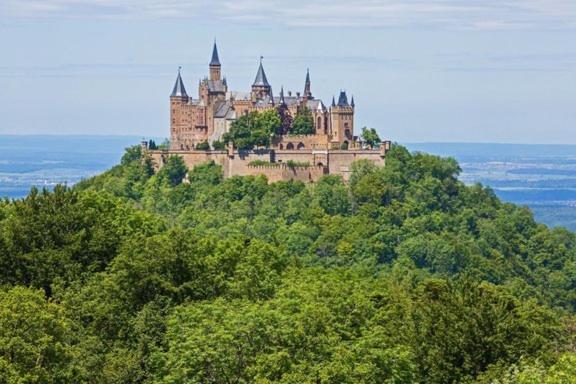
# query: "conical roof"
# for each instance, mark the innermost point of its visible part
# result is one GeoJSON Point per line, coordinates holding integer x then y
{"type": "Point", "coordinates": [343, 100]}
{"type": "Point", "coordinates": [215, 59]}
{"type": "Point", "coordinates": [179, 90]}
{"type": "Point", "coordinates": [261, 79]}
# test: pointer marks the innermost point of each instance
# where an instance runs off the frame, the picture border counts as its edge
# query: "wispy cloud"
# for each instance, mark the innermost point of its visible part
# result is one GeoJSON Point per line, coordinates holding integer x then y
{"type": "Point", "coordinates": [460, 14]}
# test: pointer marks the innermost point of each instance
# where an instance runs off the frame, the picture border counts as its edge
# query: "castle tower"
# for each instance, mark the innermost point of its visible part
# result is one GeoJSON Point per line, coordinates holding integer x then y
{"type": "Point", "coordinates": [261, 88]}
{"type": "Point", "coordinates": [307, 91]}
{"type": "Point", "coordinates": [178, 99]}
{"type": "Point", "coordinates": [215, 67]}
{"type": "Point", "coordinates": [342, 119]}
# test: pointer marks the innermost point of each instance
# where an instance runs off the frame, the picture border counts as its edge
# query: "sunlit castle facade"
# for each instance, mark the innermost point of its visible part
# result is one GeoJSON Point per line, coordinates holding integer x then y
{"type": "Point", "coordinates": [329, 147]}
{"type": "Point", "coordinates": [209, 116]}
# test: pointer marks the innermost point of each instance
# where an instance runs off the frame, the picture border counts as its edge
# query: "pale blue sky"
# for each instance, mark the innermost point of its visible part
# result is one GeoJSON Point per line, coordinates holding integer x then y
{"type": "Point", "coordinates": [420, 70]}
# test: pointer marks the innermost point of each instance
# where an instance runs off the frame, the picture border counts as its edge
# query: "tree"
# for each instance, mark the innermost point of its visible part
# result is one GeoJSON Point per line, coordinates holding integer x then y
{"type": "Point", "coordinates": [370, 137]}
{"type": "Point", "coordinates": [218, 145]}
{"type": "Point", "coordinates": [253, 129]}
{"type": "Point", "coordinates": [203, 146]}
{"type": "Point", "coordinates": [35, 339]}
{"type": "Point", "coordinates": [303, 122]}
{"type": "Point", "coordinates": [173, 171]}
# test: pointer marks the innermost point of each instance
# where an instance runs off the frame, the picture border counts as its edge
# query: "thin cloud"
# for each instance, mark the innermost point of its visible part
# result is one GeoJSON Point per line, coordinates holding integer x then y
{"type": "Point", "coordinates": [459, 14]}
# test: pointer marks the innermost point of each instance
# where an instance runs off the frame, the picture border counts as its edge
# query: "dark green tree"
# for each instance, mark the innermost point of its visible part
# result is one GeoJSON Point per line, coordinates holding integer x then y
{"type": "Point", "coordinates": [370, 137]}
{"type": "Point", "coordinates": [303, 123]}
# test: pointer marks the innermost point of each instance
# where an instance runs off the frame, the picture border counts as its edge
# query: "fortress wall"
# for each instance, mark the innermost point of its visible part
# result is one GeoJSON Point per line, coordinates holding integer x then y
{"type": "Point", "coordinates": [309, 141]}
{"type": "Point", "coordinates": [191, 158]}
{"type": "Point", "coordinates": [340, 161]}
{"type": "Point", "coordinates": [284, 173]}
{"type": "Point", "coordinates": [335, 162]}
{"type": "Point", "coordinates": [303, 156]}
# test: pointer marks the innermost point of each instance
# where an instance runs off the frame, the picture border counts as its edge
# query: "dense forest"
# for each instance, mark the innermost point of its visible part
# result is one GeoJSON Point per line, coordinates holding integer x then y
{"type": "Point", "coordinates": [402, 275]}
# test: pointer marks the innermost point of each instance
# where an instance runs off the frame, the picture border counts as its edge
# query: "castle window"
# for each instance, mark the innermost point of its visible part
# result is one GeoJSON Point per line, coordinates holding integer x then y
{"type": "Point", "coordinates": [289, 146]}
{"type": "Point", "coordinates": [300, 146]}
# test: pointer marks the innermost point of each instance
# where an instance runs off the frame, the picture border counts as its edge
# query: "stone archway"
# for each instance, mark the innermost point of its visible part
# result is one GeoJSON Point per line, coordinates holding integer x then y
{"type": "Point", "coordinates": [289, 146]}
{"type": "Point", "coordinates": [300, 146]}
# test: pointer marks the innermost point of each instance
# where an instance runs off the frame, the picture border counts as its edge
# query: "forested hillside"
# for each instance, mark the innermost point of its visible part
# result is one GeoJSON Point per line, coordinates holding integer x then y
{"type": "Point", "coordinates": [404, 275]}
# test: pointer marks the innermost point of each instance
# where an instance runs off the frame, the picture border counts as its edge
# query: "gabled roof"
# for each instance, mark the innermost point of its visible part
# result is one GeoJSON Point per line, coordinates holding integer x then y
{"type": "Point", "coordinates": [261, 79]}
{"type": "Point", "coordinates": [215, 59]}
{"type": "Point", "coordinates": [179, 90]}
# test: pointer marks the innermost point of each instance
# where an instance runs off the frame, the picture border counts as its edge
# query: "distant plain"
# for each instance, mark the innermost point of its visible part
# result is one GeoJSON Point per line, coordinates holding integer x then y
{"type": "Point", "coordinates": [542, 177]}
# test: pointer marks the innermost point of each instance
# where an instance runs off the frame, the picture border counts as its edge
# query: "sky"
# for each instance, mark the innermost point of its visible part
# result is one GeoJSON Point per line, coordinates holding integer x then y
{"type": "Point", "coordinates": [419, 70]}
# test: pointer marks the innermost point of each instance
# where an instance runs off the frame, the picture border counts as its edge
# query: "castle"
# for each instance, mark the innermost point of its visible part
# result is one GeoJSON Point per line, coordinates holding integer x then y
{"type": "Point", "coordinates": [329, 147]}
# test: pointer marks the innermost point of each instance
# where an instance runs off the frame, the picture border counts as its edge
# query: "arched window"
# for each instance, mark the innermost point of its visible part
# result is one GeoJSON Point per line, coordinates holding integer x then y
{"type": "Point", "coordinates": [319, 125]}
{"type": "Point", "coordinates": [289, 146]}
{"type": "Point", "coordinates": [281, 146]}
{"type": "Point", "coordinates": [300, 146]}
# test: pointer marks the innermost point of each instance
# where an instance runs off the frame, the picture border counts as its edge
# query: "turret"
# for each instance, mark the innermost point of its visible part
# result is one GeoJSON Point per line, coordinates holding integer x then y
{"type": "Point", "coordinates": [178, 101]}
{"type": "Point", "coordinates": [261, 88]}
{"type": "Point", "coordinates": [179, 91]}
{"type": "Point", "coordinates": [342, 119]}
{"type": "Point", "coordinates": [215, 67]}
{"type": "Point", "coordinates": [282, 100]}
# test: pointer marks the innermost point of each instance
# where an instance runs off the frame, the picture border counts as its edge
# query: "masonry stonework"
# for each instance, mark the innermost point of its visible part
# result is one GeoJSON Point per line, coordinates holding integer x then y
{"type": "Point", "coordinates": [331, 149]}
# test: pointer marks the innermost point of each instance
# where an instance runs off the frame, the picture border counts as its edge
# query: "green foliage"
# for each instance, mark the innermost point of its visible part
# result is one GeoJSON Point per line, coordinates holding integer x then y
{"type": "Point", "coordinates": [303, 123]}
{"type": "Point", "coordinates": [296, 164]}
{"type": "Point", "coordinates": [36, 339]}
{"type": "Point", "coordinates": [370, 137]}
{"type": "Point", "coordinates": [401, 275]}
{"type": "Point", "coordinates": [203, 146]}
{"type": "Point", "coordinates": [173, 171]}
{"type": "Point", "coordinates": [218, 145]}
{"type": "Point", "coordinates": [253, 129]}
{"type": "Point", "coordinates": [261, 163]}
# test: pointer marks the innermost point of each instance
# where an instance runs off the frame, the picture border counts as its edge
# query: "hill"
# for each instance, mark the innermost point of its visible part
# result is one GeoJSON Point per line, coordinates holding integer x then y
{"type": "Point", "coordinates": [404, 275]}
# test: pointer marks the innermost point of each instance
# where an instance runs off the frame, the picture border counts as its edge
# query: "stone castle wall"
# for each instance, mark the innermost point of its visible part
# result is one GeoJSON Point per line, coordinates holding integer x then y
{"type": "Point", "coordinates": [237, 163]}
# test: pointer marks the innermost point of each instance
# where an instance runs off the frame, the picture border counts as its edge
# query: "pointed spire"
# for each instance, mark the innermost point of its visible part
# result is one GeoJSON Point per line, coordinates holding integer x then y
{"type": "Point", "coordinates": [333, 101]}
{"type": "Point", "coordinates": [282, 100]}
{"type": "Point", "coordinates": [261, 79]}
{"type": "Point", "coordinates": [343, 99]}
{"type": "Point", "coordinates": [215, 59]}
{"type": "Point", "coordinates": [307, 91]}
{"type": "Point", "coordinates": [179, 90]}
{"type": "Point", "coordinates": [352, 102]}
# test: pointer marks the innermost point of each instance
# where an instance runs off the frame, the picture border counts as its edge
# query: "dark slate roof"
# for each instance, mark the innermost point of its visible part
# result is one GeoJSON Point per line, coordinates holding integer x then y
{"type": "Point", "coordinates": [343, 100]}
{"type": "Point", "coordinates": [222, 109]}
{"type": "Point", "coordinates": [215, 59]}
{"type": "Point", "coordinates": [179, 89]}
{"type": "Point", "coordinates": [352, 101]}
{"type": "Point", "coordinates": [315, 104]}
{"type": "Point", "coordinates": [266, 102]}
{"type": "Point", "coordinates": [333, 101]}
{"type": "Point", "coordinates": [261, 79]}
{"type": "Point", "coordinates": [290, 100]}
{"type": "Point", "coordinates": [216, 86]}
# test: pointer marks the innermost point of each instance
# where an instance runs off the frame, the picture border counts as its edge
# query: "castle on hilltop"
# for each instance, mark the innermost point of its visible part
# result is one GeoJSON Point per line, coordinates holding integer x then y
{"type": "Point", "coordinates": [197, 124]}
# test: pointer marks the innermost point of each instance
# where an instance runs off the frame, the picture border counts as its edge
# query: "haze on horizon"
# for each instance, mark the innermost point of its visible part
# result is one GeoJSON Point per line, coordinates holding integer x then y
{"type": "Point", "coordinates": [419, 70]}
